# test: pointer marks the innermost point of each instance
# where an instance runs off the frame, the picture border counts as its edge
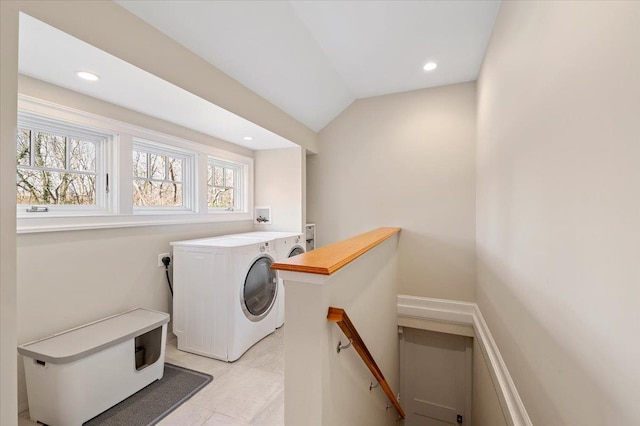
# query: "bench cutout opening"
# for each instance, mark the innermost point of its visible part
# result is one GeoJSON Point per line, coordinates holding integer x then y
{"type": "Point", "coordinates": [148, 347]}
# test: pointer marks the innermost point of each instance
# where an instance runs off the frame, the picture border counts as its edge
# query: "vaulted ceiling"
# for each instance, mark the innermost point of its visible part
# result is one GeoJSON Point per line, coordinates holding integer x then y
{"type": "Point", "coordinates": [313, 58]}
{"type": "Point", "coordinates": [309, 58]}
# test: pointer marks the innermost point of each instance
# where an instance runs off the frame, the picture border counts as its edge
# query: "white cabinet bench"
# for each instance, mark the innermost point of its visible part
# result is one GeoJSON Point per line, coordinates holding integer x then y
{"type": "Point", "coordinates": [75, 375]}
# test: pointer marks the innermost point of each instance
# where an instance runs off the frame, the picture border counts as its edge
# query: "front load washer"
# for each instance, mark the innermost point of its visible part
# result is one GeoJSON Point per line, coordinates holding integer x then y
{"type": "Point", "coordinates": [224, 295]}
{"type": "Point", "coordinates": [287, 244]}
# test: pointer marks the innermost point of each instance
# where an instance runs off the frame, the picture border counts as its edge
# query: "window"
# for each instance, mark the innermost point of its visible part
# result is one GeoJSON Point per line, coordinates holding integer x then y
{"type": "Point", "coordinates": [224, 185]}
{"type": "Point", "coordinates": [60, 167]}
{"type": "Point", "coordinates": [78, 170]}
{"type": "Point", "coordinates": [161, 177]}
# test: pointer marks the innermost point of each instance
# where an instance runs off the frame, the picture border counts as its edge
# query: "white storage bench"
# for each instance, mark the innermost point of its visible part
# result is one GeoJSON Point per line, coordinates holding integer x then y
{"type": "Point", "coordinates": [77, 374]}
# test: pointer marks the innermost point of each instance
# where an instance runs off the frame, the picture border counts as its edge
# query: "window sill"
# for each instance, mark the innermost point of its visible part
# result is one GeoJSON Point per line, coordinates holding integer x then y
{"type": "Point", "coordinates": [69, 223]}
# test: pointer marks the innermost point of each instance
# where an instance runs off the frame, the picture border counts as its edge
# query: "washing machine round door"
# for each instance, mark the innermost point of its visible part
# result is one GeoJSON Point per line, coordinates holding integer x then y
{"type": "Point", "coordinates": [296, 251]}
{"type": "Point", "coordinates": [260, 287]}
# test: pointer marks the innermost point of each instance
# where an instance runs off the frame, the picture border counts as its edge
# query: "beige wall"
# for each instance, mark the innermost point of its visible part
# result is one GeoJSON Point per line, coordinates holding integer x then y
{"type": "Point", "coordinates": [558, 206]}
{"type": "Point", "coordinates": [322, 387]}
{"type": "Point", "coordinates": [61, 96]}
{"type": "Point", "coordinates": [140, 281]}
{"type": "Point", "coordinates": [68, 278]}
{"type": "Point", "coordinates": [278, 184]}
{"type": "Point", "coordinates": [404, 160]}
{"type": "Point", "coordinates": [486, 410]}
{"type": "Point", "coordinates": [8, 118]}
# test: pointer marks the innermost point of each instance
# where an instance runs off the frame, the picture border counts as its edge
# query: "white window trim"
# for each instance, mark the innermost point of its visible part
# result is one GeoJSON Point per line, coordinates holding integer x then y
{"type": "Point", "coordinates": [121, 214]}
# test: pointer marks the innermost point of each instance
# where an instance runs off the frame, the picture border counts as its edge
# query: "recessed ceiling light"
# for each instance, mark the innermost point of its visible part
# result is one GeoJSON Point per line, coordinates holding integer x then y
{"type": "Point", "coordinates": [248, 138]}
{"type": "Point", "coordinates": [430, 66]}
{"type": "Point", "coordinates": [85, 75]}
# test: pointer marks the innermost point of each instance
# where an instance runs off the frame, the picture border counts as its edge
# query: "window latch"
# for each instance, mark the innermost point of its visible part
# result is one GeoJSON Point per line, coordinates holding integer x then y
{"type": "Point", "coordinates": [37, 209]}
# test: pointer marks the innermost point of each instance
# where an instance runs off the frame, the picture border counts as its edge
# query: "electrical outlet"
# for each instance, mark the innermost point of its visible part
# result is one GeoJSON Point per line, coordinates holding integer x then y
{"type": "Point", "coordinates": [160, 256]}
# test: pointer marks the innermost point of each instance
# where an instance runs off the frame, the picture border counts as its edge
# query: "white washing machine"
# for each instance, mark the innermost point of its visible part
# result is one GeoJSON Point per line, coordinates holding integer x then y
{"type": "Point", "coordinates": [287, 244]}
{"type": "Point", "coordinates": [225, 295]}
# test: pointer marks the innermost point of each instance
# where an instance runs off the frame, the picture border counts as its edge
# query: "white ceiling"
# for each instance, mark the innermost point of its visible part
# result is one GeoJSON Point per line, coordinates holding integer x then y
{"type": "Point", "coordinates": [309, 58]}
{"type": "Point", "coordinates": [51, 55]}
{"type": "Point", "coordinates": [313, 58]}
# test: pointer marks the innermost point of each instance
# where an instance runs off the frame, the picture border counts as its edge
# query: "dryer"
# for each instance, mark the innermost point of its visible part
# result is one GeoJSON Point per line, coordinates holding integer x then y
{"type": "Point", "coordinates": [286, 247]}
{"type": "Point", "coordinates": [225, 295]}
{"type": "Point", "coordinates": [287, 244]}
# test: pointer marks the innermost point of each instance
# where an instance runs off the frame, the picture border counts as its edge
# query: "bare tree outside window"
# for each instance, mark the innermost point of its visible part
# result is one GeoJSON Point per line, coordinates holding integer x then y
{"type": "Point", "coordinates": [157, 180]}
{"type": "Point", "coordinates": [54, 169]}
{"type": "Point", "coordinates": [221, 185]}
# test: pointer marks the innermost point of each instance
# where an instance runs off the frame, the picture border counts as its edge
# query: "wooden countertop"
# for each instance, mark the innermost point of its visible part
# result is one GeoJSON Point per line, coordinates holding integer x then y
{"type": "Point", "coordinates": [328, 259]}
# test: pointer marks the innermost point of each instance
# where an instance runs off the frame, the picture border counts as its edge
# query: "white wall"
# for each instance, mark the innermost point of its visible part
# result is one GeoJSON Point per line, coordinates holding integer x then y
{"type": "Point", "coordinates": [405, 160]}
{"type": "Point", "coordinates": [279, 184]}
{"type": "Point", "coordinates": [558, 206]}
{"type": "Point", "coordinates": [323, 387]}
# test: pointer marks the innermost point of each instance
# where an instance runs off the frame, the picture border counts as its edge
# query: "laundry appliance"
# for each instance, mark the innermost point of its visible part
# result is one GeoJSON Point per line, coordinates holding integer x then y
{"type": "Point", "coordinates": [287, 244]}
{"type": "Point", "coordinates": [225, 295]}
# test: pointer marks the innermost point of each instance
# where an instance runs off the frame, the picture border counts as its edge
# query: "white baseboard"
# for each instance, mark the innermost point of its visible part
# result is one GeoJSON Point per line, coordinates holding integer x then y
{"type": "Point", "coordinates": [467, 313]}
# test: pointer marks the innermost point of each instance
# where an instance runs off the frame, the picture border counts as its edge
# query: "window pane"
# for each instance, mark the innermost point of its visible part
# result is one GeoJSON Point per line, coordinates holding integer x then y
{"type": "Point", "coordinates": [23, 147]}
{"type": "Point", "coordinates": [156, 166]}
{"type": "Point", "coordinates": [224, 184]}
{"type": "Point", "coordinates": [141, 192]}
{"type": "Point", "coordinates": [54, 169]}
{"type": "Point", "coordinates": [78, 189]}
{"type": "Point", "coordinates": [82, 155]}
{"type": "Point", "coordinates": [139, 164]}
{"type": "Point", "coordinates": [45, 187]}
{"type": "Point", "coordinates": [156, 194]}
{"type": "Point", "coordinates": [30, 188]}
{"type": "Point", "coordinates": [228, 178]}
{"type": "Point", "coordinates": [217, 176]}
{"type": "Point", "coordinates": [49, 150]}
{"type": "Point", "coordinates": [228, 200]}
{"type": "Point", "coordinates": [212, 197]}
{"type": "Point", "coordinates": [171, 194]}
{"type": "Point", "coordinates": [220, 197]}
{"type": "Point", "coordinates": [162, 185]}
{"type": "Point", "coordinates": [175, 169]}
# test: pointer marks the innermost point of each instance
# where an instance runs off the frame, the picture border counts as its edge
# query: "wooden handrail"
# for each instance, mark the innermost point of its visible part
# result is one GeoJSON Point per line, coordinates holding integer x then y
{"type": "Point", "coordinates": [340, 317]}
{"type": "Point", "coordinates": [328, 259]}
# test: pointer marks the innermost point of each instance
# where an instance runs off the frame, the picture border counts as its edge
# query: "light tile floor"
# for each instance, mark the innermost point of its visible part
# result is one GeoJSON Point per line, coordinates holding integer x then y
{"type": "Point", "coordinates": [249, 391]}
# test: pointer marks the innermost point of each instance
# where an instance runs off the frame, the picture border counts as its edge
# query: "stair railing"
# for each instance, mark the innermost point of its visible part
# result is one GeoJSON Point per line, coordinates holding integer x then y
{"type": "Point", "coordinates": [340, 317]}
